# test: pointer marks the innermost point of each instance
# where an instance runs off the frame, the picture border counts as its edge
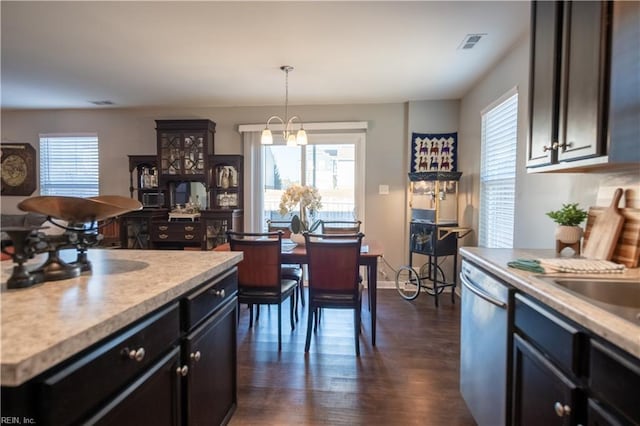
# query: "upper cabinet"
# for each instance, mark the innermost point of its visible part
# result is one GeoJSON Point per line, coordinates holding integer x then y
{"type": "Point", "coordinates": [225, 183]}
{"type": "Point", "coordinates": [573, 105]}
{"type": "Point", "coordinates": [184, 147]}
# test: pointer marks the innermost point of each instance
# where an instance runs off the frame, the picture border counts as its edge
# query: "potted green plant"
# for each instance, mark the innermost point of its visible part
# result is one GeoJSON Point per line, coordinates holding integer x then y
{"type": "Point", "coordinates": [568, 218]}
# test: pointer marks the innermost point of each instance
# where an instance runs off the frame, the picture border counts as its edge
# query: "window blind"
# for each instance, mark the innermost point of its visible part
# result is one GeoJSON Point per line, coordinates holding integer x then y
{"type": "Point", "coordinates": [69, 165]}
{"type": "Point", "coordinates": [498, 174]}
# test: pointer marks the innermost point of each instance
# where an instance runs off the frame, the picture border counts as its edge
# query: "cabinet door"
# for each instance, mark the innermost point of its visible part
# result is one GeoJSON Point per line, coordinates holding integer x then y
{"type": "Point", "coordinates": [544, 89]}
{"type": "Point", "coordinates": [542, 395]}
{"type": "Point", "coordinates": [625, 83]}
{"type": "Point", "coordinates": [153, 399]}
{"type": "Point", "coordinates": [583, 125]}
{"type": "Point", "coordinates": [211, 389]}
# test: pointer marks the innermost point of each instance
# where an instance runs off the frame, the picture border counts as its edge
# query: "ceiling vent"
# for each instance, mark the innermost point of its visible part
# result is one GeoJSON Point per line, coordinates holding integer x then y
{"type": "Point", "coordinates": [102, 102]}
{"type": "Point", "coordinates": [470, 40]}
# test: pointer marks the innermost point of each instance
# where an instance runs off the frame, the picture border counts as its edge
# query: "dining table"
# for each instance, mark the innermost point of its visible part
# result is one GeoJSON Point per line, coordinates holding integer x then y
{"type": "Point", "coordinates": [370, 252]}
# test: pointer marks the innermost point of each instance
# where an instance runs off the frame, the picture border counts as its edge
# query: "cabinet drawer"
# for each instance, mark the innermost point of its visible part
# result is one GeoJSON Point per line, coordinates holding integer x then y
{"type": "Point", "coordinates": [204, 301]}
{"type": "Point", "coordinates": [97, 374]}
{"type": "Point", "coordinates": [176, 231]}
{"type": "Point", "coordinates": [554, 336]}
{"type": "Point", "coordinates": [614, 377]}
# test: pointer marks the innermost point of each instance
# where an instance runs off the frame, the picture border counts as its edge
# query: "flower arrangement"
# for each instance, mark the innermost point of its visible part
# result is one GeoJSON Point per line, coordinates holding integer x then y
{"type": "Point", "coordinates": [307, 200]}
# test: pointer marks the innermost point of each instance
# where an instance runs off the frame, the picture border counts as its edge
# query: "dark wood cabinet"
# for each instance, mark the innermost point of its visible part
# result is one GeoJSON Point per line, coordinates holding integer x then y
{"type": "Point", "coordinates": [624, 129]}
{"type": "Point", "coordinates": [209, 351]}
{"type": "Point", "coordinates": [184, 147]}
{"type": "Point", "coordinates": [565, 375]}
{"type": "Point", "coordinates": [542, 394]}
{"type": "Point", "coordinates": [568, 91]}
{"type": "Point", "coordinates": [153, 399]}
{"type": "Point", "coordinates": [135, 227]}
{"type": "Point", "coordinates": [143, 179]}
{"type": "Point", "coordinates": [226, 182]}
{"type": "Point", "coordinates": [216, 223]}
{"type": "Point", "coordinates": [177, 365]}
{"type": "Point", "coordinates": [211, 385]}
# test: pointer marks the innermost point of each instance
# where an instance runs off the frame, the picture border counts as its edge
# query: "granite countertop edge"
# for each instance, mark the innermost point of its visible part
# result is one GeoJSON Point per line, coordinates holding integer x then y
{"type": "Point", "coordinates": [609, 327]}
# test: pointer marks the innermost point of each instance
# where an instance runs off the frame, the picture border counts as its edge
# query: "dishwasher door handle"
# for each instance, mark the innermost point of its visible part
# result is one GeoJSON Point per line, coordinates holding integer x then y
{"type": "Point", "coordinates": [478, 292]}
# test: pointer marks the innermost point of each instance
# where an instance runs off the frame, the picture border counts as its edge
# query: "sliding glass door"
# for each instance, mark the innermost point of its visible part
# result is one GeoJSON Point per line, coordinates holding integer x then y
{"type": "Point", "coordinates": [330, 163]}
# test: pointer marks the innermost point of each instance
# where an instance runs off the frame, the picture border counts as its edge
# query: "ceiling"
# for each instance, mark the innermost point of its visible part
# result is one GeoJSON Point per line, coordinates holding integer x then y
{"type": "Point", "coordinates": [196, 54]}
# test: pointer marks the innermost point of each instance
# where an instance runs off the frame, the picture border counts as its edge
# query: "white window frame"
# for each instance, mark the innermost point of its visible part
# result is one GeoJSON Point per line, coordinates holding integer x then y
{"type": "Point", "coordinates": [498, 171]}
{"type": "Point", "coordinates": [49, 186]}
{"type": "Point", "coordinates": [320, 133]}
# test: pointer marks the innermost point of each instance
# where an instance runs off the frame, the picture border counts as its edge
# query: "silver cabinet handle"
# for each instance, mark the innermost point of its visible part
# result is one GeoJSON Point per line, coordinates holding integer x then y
{"type": "Point", "coordinates": [188, 236]}
{"type": "Point", "coordinates": [163, 227]}
{"type": "Point", "coordinates": [182, 371]}
{"type": "Point", "coordinates": [195, 356]}
{"type": "Point", "coordinates": [561, 410]}
{"type": "Point", "coordinates": [553, 147]}
{"type": "Point", "coordinates": [219, 293]}
{"type": "Point", "coordinates": [189, 228]}
{"type": "Point", "coordinates": [136, 355]}
{"type": "Point", "coordinates": [475, 290]}
{"type": "Point", "coordinates": [163, 236]}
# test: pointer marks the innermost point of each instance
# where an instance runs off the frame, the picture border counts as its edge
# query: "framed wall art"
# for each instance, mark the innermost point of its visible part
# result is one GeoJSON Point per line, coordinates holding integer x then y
{"type": "Point", "coordinates": [18, 164]}
{"type": "Point", "coordinates": [434, 152]}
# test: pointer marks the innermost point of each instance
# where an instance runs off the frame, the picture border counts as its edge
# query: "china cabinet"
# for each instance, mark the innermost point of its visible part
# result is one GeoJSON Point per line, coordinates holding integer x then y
{"type": "Point", "coordinates": [143, 180]}
{"type": "Point", "coordinates": [225, 183]}
{"type": "Point", "coordinates": [184, 147]}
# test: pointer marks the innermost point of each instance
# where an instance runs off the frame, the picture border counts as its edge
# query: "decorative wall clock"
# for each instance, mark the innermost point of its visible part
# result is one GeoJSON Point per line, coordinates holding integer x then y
{"type": "Point", "coordinates": [18, 169]}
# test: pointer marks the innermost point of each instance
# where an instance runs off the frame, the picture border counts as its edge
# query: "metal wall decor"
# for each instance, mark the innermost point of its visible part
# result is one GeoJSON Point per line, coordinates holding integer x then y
{"type": "Point", "coordinates": [18, 169]}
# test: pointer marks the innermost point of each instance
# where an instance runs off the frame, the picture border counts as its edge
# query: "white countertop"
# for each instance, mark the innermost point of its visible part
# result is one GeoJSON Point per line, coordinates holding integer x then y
{"type": "Point", "coordinates": [49, 322]}
{"type": "Point", "coordinates": [610, 327]}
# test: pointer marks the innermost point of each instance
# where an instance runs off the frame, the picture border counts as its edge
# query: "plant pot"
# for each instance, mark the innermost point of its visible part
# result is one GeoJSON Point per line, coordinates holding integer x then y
{"type": "Point", "coordinates": [297, 238]}
{"type": "Point", "coordinates": [568, 234]}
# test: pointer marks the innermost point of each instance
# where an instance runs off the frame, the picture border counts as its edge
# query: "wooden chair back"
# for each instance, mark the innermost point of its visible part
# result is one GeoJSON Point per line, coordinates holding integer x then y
{"type": "Point", "coordinates": [333, 261]}
{"type": "Point", "coordinates": [340, 227]}
{"type": "Point", "coordinates": [260, 266]}
{"type": "Point", "coordinates": [280, 225]}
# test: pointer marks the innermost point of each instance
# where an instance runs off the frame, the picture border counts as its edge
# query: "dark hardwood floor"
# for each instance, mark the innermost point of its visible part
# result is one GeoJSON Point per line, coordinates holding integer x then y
{"type": "Point", "coordinates": [409, 378]}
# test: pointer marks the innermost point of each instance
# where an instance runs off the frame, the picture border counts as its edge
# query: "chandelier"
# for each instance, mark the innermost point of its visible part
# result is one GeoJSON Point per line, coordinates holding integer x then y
{"type": "Point", "coordinates": [300, 138]}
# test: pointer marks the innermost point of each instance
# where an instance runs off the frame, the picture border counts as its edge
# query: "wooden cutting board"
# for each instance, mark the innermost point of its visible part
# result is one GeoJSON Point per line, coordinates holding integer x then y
{"type": "Point", "coordinates": [605, 231]}
{"type": "Point", "coordinates": [627, 250]}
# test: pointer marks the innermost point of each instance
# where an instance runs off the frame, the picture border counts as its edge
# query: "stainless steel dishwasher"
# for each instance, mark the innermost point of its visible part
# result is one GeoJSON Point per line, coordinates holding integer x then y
{"type": "Point", "coordinates": [485, 351]}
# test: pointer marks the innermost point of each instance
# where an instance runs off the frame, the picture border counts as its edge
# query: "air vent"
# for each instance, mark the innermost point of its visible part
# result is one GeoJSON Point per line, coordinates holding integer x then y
{"type": "Point", "coordinates": [470, 40]}
{"type": "Point", "coordinates": [102, 102]}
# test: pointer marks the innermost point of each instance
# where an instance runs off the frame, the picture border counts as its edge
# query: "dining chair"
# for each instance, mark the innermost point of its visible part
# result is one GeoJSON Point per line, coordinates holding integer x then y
{"type": "Point", "coordinates": [260, 280]}
{"type": "Point", "coordinates": [334, 280]}
{"type": "Point", "coordinates": [289, 271]}
{"type": "Point", "coordinates": [341, 226]}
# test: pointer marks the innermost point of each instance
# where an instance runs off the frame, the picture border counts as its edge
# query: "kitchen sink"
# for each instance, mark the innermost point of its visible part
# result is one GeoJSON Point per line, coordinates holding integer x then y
{"type": "Point", "coordinates": [617, 296]}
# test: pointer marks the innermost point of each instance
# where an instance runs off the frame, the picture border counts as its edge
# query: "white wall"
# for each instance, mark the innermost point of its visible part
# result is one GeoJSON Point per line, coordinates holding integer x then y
{"type": "Point", "coordinates": [536, 194]}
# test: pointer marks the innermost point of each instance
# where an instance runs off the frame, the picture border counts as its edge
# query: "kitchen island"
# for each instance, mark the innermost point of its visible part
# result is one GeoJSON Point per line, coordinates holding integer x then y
{"type": "Point", "coordinates": [569, 358]}
{"type": "Point", "coordinates": [108, 335]}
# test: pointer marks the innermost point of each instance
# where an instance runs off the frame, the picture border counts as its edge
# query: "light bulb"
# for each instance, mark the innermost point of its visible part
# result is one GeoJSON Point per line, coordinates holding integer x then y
{"type": "Point", "coordinates": [267, 137]}
{"type": "Point", "coordinates": [301, 137]}
{"type": "Point", "coordinates": [291, 140]}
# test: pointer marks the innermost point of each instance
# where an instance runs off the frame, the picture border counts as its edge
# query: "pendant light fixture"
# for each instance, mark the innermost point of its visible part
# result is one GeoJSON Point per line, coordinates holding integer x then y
{"type": "Point", "coordinates": [300, 138]}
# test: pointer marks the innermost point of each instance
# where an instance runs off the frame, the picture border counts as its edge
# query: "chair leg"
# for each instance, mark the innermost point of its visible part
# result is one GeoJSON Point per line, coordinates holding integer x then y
{"type": "Point", "coordinates": [257, 312]}
{"type": "Point", "coordinates": [279, 326]}
{"type": "Point", "coordinates": [292, 308]}
{"type": "Point", "coordinates": [250, 316]}
{"type": "Point", "coordinates": [309, 326]}
{"type": "Point", "coordinates": [356, 313]}
{"type": "Point", "coordinates": [295, 302]}
{"type": "Point", "coordinates": [316, 315]}
{"type": "Point", "coordinates": [301, 287]}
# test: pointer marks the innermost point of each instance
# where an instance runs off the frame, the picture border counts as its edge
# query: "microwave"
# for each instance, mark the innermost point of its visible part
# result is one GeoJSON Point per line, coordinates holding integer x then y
{"type": "Point", "coordinates": [153, 199]}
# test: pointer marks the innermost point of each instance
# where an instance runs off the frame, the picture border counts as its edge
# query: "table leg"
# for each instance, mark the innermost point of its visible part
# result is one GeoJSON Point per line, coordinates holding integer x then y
{"type": "Point", "coordinates": [372, 279]}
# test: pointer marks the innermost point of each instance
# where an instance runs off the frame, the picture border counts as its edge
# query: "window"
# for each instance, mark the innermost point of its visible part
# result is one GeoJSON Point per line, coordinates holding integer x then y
{"type": "Point", "coordinates": [327, 165]}
{"type": "Point", "coordinates": [498, 172]}
{"type": "Point", "coordinates": [69, 165]}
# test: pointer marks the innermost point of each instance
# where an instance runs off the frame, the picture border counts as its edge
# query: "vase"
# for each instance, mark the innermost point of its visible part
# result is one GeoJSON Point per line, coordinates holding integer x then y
{"type": "Point", "coordinates": [568, 234]}
{"type": "Point", "coordinates": [297, 238]}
